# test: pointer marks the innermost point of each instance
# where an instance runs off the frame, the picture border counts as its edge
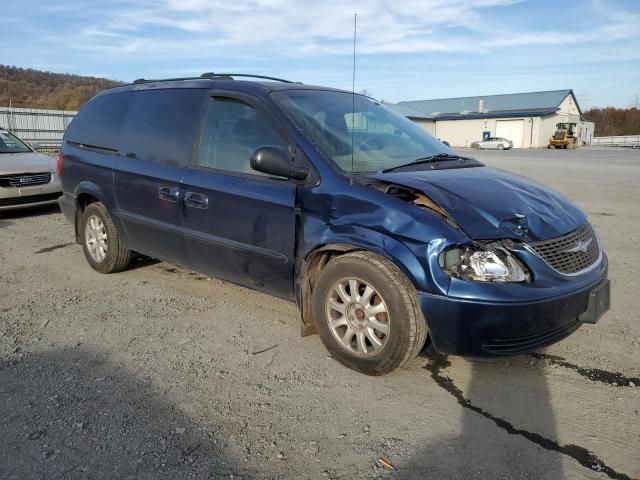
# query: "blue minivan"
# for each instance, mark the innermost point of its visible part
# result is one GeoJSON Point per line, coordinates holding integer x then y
{"type": "Point", "coordinates": [383, 236]}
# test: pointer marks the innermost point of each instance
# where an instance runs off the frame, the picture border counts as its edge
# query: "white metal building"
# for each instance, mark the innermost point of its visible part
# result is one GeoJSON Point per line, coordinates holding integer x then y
{"type": "Point", "coordinates": [527, 119]}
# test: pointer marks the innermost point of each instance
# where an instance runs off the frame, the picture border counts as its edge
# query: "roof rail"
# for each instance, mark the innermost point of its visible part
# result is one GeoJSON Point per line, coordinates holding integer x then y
{"type": "Point", "coordinates": [151, 80]}
{"type": "Point", "coordinates": [211, 76]}
{"type": "Point", "coordinates": [244, 75]}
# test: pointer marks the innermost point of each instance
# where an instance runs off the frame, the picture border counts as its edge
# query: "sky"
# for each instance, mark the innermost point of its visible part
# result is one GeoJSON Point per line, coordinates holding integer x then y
{"type": "Point", "coordinates": [406, 49]}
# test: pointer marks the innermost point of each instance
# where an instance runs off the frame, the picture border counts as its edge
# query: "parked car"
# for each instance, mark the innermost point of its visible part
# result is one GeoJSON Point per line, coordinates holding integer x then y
{"type": "Point", "coordinates": [380, 233]}
{"type": "Point", "coordinates": [498, 143]}
{"type": "Point", "coordinates": [27, 178]}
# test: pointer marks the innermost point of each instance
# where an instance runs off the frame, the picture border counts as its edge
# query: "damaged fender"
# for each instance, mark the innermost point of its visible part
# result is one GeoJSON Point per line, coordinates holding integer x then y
{"type": "Point", "coordinates": [409, 237]}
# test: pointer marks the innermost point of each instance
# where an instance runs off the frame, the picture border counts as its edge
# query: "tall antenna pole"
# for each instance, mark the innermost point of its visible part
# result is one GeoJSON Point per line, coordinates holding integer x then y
{"type": "Point", "coordinates": [353, 86]}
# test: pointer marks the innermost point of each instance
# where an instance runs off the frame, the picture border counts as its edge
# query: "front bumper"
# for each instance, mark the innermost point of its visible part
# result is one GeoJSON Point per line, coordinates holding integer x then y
{"type": "Point", "coordinates": [28, 197]}
{"type": "Point", "coordinates": [480, 328]}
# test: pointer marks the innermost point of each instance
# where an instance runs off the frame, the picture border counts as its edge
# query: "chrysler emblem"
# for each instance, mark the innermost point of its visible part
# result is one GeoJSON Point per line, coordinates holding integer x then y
{"type": "Point", "coordinates": [581, 246]}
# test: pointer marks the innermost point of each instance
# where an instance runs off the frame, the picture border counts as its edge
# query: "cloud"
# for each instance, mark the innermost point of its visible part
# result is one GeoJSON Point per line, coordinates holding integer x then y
{"type": "Point", "coordinates": [306, 27]}
{"type": "Point", "coordinates": [292, 28]}
{"type": "Point", "coordinates": [406, 48]}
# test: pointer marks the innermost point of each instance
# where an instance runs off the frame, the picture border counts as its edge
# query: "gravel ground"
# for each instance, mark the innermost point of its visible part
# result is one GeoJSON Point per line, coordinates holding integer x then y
{"type": "Point", "coordinates": [159, 372]}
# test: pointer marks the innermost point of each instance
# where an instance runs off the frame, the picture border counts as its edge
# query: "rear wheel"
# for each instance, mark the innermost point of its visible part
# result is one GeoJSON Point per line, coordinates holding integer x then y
{"type": "Point", "coordinates": [367, 313]}
{"type": "Point", "coordinates": [100, 241]}
{"type": "Point", "coordinates": [501, 147]}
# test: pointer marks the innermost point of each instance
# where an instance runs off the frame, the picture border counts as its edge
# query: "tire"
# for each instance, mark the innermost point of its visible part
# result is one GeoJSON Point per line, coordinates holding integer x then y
{"type": "Point", "coordinates": [395, 300]}
{"type": "Point", "coordinates": [500, 147]}
{"type": "Point", "coordinates": [95, 222]}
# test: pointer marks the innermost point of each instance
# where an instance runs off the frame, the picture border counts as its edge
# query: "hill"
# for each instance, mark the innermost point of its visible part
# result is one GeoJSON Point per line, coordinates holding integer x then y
{"type": "Point", "coordinates": [26, 87]}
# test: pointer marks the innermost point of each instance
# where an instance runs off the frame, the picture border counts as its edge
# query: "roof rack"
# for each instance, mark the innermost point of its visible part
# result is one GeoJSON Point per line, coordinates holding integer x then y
{"type": "Point", "coordinates": [151, 80]}
{"type": "Point", "coordinates": [244, 75]}
{"type": "Point", "coordinates": [210, 76]}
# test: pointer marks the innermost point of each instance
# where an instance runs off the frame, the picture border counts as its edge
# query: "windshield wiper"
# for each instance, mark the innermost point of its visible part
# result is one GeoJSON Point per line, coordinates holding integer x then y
{"type": "Point", "coordinates": [440, 157]}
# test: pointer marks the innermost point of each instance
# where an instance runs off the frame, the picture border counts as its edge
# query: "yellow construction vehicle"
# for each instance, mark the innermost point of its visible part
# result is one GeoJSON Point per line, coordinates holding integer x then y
{"type": "Point", "coordinates": [564, 137]}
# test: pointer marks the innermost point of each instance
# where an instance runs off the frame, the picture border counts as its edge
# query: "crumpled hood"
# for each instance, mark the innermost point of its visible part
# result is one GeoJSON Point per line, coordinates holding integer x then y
{"type": "Point", "coordinates": [30, 162]}
{"type": "Point", "coordinates": [489, 203]}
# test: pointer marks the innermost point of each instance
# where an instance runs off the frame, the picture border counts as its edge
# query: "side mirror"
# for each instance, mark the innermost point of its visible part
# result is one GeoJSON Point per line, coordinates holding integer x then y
{"type": "Point", "coordinates": [446, 143]}
{"type": "Point", "coordinates": [277, 161]}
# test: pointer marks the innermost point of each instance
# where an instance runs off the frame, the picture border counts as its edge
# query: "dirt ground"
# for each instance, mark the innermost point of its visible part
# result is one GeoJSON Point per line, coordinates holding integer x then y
{"type": "Point", "coordinates": [159, 372]}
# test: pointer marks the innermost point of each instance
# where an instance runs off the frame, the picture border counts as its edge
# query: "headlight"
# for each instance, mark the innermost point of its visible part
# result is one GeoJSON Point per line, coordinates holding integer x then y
{"type": "Point", "coordinates": [483, 262]}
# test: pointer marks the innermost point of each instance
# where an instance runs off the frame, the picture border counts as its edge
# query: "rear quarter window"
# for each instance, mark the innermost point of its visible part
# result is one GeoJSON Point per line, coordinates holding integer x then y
{"type": "Point", "coordinates": [162, 125]}
{"type": "Point", "coordinates": [99, 122]}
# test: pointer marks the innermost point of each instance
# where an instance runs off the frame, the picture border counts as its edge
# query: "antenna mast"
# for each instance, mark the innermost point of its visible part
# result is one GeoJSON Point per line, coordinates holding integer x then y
{"type": "Point", "coordinates": [353, 86]}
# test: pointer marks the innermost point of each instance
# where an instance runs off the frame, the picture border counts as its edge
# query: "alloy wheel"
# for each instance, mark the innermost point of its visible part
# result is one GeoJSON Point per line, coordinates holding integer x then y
{"type": "Point", "coordinates": [358, 317]}
{"type": "Point", "coordinates": [96, 238]}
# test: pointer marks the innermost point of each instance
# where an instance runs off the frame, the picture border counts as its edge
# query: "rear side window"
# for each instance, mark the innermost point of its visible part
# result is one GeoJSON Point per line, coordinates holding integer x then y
{"type": "Point", "coordinates": [162, 125]}
{"type": "Point", "coordinates": [98, 123]}
{"type": "Point", "coordinates": [233, 131]}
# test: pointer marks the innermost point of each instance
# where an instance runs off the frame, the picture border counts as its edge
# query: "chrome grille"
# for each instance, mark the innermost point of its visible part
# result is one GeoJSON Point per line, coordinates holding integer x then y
{"type": "Point", "coordinates": [24, 179]}
{"type": "Point", "coordinates": [570, 253]}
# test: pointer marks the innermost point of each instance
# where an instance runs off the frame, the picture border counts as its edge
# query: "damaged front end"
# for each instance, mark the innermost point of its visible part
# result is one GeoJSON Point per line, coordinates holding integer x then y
{"type": "Point", "coordinates": [479, 261]}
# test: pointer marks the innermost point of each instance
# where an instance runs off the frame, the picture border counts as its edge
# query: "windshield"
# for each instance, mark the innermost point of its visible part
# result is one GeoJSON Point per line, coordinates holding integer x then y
{"type": "Point", "coordinates": [9, 143]}
{"type": "Point", "coordinates": [336, 121]}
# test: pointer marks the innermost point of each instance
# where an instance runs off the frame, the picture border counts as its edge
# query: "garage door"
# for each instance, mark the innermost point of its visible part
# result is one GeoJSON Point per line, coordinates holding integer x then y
{"type": "Point", "coordinates": [511, 130]}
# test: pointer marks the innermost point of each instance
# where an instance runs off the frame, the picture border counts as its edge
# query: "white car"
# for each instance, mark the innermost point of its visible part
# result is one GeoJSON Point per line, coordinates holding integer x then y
{"type": "Point", "coordinates": [27, 178]}
{"type": "Point", "coordinates": [498, 143]}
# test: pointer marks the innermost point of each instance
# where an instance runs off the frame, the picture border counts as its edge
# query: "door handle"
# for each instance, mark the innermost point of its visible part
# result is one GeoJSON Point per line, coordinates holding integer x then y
{"type": "Point", "coordinates": [169, 194]}
{"type": "Point", "coordinates": [196, 200]}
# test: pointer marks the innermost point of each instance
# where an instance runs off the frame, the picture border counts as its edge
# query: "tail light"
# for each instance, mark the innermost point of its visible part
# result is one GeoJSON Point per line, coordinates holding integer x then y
{"type": "Point", "coordinates": [59, 163]}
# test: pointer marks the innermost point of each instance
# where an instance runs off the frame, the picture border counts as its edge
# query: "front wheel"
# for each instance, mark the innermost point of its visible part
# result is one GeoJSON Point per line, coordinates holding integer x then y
{"type": "Point", "coordinates": [500, 147]}
{"type": "Point", "coordinates": [100, 241]}
{"type": "Point", "coordinates": [367, 313]}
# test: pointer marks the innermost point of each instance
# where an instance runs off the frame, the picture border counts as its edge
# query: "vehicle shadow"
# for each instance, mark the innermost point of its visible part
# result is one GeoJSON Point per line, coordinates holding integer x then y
{"type": "Point", "coordinates": [507, 424]}
{"type": "Point", "coordinates": [141, 261]}
{"type": "Point", "coordinates": [74, 414]}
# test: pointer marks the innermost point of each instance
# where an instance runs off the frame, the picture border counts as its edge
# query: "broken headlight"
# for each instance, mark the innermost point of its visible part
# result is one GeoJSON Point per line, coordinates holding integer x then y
{"type": "Point", "coordinates": [483, 262]}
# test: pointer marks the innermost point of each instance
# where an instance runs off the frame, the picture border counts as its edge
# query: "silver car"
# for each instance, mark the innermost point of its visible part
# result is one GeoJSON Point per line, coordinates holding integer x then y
{"type": "Point", "coordinates": [496, 143]}
{"type": "Point", "coordinates": [27, 178]}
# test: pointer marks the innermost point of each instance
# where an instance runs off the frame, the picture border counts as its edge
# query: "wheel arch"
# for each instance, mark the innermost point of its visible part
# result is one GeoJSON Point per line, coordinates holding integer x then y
{"type": "Point", "coordinates": [85, 194]}
{"type": "Point", "coordinates": [311, 263]}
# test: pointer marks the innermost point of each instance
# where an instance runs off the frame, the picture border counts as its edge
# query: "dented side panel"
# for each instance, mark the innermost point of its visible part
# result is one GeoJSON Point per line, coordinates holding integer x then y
{"type": "Point", "coordinates": [359, 215]}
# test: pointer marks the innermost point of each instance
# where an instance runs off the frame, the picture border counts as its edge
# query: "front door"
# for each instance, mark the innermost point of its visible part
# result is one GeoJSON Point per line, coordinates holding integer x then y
{"type": "Point", "coordinates": [239, 224]}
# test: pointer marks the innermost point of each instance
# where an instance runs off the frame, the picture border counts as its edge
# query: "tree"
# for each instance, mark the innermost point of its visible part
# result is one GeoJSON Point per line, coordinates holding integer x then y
{"type": "Point", "coordinates": [615, 121]}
